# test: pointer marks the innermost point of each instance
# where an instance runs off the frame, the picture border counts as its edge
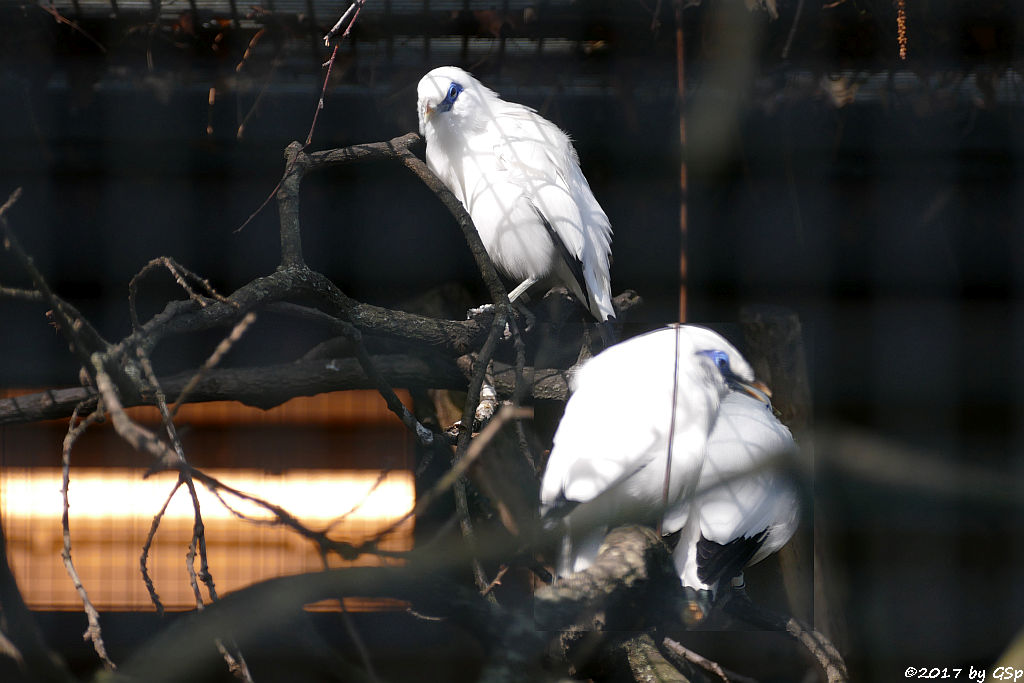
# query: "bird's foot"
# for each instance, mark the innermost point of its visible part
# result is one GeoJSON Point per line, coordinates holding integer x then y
{"type": "Point", "coordinates": [488, 404]}
{"type": "Point", "coordinates": [485, 410]}
{"type": "Point", "coordinates": [529, 318]}
{"type": "Point", "coordinates": [697, 606]}
{"type": "Point", "coordinates": [474, 313]}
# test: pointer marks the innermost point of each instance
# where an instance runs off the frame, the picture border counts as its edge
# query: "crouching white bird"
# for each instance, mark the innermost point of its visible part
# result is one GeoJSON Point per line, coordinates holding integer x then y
{"type": "Point", "coordinates": [745, 508]}
{"type": "Point", "coordinates": [519, 178]}
{"type": "Point", "coordinates": [634, 406]}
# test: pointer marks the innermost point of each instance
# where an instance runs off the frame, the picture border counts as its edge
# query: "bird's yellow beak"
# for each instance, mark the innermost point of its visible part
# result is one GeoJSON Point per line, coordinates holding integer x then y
{"type": "Point", "coordinates": [757, 389]}
{"type": "Point", "coordinates": [428, 110]}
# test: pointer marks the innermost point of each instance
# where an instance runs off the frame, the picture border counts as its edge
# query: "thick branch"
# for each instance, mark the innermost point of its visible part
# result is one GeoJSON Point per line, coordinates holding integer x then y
{"type": "Point", "coordinates": [271, 385]}
{"type": "Point", "coordinates": [633, 567]}
{"type": "Point", "coordinates": [288, 207]}
{"type": "Point", "coordinates": [180, 317]}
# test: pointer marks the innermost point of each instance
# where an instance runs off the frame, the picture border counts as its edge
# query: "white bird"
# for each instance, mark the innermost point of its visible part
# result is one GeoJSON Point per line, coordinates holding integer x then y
{"type": "Point", "coordinates": [608, 461]}
{"type": "Point", "coordinates": [744, 509]}
{"type": "Point", "coordinates": [519, 178]}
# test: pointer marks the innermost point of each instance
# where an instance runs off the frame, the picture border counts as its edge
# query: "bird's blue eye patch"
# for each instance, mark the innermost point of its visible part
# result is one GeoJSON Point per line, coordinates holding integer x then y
{"type": "Point", "coordinates": [449, 99]}
{"type": "Point", "coordinates": [720, 359]}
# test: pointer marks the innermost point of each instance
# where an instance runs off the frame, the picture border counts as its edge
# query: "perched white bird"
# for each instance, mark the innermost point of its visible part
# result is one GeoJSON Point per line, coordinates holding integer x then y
{"type": "Point", "coordinates": [519, 178]}
{"type": "Point", "coordinates": [608, 462]}
{"type": "Point", "coordinates": [745, 508]}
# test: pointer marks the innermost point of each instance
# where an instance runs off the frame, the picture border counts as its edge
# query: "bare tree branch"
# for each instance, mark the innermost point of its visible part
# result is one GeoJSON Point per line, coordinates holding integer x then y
{"type": "Point", "coordinates": [148, 543]}
{"type": "Point", "coordinates": [94, 632]}
{"type": "Point", "coordinates": [689, 656]}
{"type": "Point", "coordinates": [647, 664]}
{"type": "Point", "coordinates": [816, 643]}
{"type": "Point", "coordinates": [180, 274]}
{"type": "Point", "coordinates": [271, 385]}
{"type": "Point", "coordinates": [211, 362]}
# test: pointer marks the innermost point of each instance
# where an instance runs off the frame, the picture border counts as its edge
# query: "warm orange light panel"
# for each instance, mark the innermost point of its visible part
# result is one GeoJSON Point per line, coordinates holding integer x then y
{"type": "Point", "coordinates": [112, 510]}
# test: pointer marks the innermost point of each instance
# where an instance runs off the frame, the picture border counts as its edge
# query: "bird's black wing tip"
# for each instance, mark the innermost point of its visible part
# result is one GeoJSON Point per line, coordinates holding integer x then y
{"type": "Point", "coordinates": [718, 561]}
{"type": "Point", "coordinates": [575, 265]}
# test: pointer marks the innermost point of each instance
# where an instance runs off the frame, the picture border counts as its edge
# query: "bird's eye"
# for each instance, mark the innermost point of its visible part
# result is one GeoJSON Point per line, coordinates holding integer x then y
{"type": "Point", "coordinates": [449, 99]}
{"type": "Point", "coordinates": [720, 359]}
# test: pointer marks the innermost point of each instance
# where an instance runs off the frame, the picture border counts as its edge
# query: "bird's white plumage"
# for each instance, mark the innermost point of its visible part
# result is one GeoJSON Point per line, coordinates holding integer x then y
{"type": "Point", "coordinates": [610, 449]}
{"type": "Point", "coordinates": [741, 491]}
{"type": "Point", "coordinates": [512, 169]}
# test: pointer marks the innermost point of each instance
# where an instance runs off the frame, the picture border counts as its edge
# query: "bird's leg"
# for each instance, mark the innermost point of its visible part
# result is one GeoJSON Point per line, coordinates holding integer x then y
{"type": "Point", "coordinates": [529, 317]}
{"type": "Point", "coordinates": [521, 289]}
{"type": "Point", "coordinates": [513, 296]}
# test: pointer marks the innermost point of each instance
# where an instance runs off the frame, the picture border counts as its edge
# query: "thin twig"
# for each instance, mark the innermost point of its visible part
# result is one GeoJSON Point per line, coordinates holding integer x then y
{"type": "Point", "coordinates": [476, 448]}
{"type": "Point", "coordinates": [180, 275]}
{"type": "Point", "coordinates": [93, 633]}
{"type": "Point", "coordinates": [190, 560]}
{"type": "Point", "coordinates": [323, 94]}
{"type": "Point", "coordinates": [344, 550]}
{"type": "Point", "coordinates": [19, 293]}
{"type": "Point", "coordinates": [14, 197]}
{"type": "Point", "coordinates": [218, 354]}
{"type": "Point", "coordinates": [469, 534]}
{"type": "Point", "coordinates": [275, 62]}
{"type": "Point", "coordinates": [259, 209]}
{"type": "Point", "coordinates": [358, 504]}
{"type": "Point", "coordinates": [354, 7]}
{"type": "Point", "coordinates": [52, 11]}
{"type": "Point", "coordinates": [497, 580]}
{"type": "Point", "coordinates": [714, 668]}
{"type": "Point", "coordinates": [357, 6]}
{"type": "Point", "coordinates": [353, 633]}
{"type": "Point", "coordinates": [350, 627]}
{"type": "Point", "coordinates": [464, 447]}
{"type": "Point", "coordinates": [144, 557]}
{"type": "Point", "coordinates": [230, 652]}
{"type": "Point", "coordinates": [792, 29]}
{"type": "Point", "coordinates": [350, 331]}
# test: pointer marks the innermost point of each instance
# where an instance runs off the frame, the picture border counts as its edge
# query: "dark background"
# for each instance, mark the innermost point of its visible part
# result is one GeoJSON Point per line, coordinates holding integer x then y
{"type": "Point", "coordinates": [890, 221]}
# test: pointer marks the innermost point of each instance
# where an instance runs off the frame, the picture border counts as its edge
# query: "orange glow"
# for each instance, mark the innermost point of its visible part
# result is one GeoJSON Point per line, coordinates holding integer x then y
{"type": "Point", "coordinates": [111, 511]}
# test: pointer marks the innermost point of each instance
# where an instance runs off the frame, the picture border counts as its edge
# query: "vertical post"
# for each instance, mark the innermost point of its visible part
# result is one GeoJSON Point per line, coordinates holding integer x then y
{"type": "Point", "coordinates": [681, 98]}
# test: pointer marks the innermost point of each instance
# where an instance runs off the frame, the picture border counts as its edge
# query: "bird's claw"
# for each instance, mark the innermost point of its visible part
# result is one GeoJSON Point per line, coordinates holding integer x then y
{"type": "Point", "coordinates": [488, 404]}
{"type": "Point", "coordinates": [528, 316]}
